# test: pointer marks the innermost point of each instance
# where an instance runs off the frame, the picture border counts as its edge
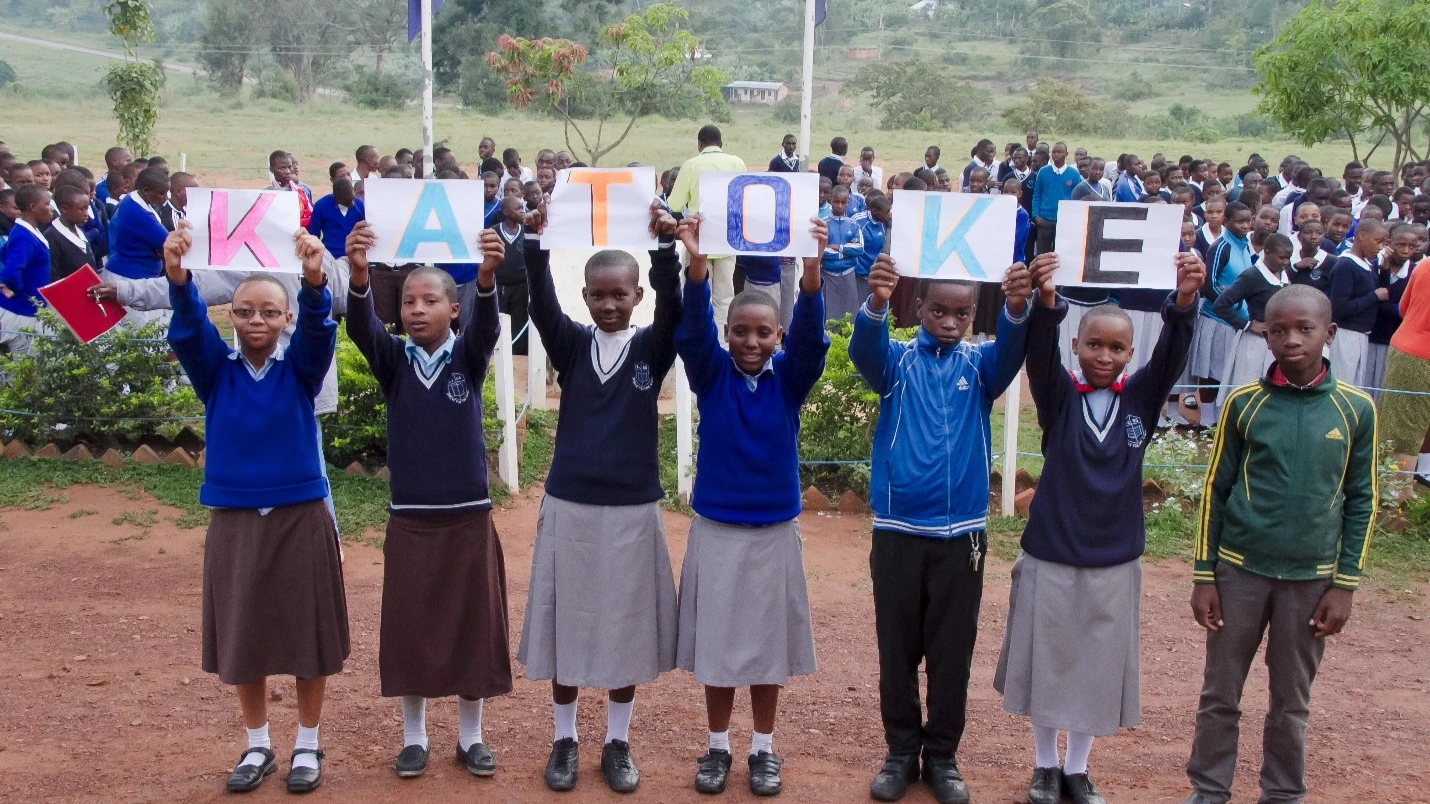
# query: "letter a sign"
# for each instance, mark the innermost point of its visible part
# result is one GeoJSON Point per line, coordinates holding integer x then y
{"type": "Point", "coordinates": [242, 230]}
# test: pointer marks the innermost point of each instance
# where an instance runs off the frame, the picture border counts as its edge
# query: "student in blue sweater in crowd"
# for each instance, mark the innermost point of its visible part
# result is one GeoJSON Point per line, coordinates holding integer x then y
{"type": "Point", "coordinates": [136, 234]}
{"type": "Point", "coordinates": [601, 606]}
{"type": "Point", "coordinates": [335, 215]}
{"type": "Point", "coordinates": [444, 613]}
{"type": "Point", "coordinates": [874, 225]}
{"type": "Point", "coordinates": [1355, 297]}
{"type": "Point", "coordinates": [841, 255]}
{"type": "Point", "coordinates": [25, 269]}
{"type": "Point", "coordinates": [744, 607]}
{"type": "Point", "coordinates": [1055, 182]}
{"type": "Point", "coordinates": [929, 492]}
{"type": "Point", "coordinates": [273, 599]}
{"type": "Point", "coordinates": [1070, 658]}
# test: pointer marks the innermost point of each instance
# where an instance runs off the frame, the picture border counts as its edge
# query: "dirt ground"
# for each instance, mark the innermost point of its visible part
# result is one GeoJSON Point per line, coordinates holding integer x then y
{"type": "Point", "coordinates": [103, 698]}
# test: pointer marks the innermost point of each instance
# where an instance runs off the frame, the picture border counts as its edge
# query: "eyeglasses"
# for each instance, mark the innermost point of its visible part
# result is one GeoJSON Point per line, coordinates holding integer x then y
{"type": "Point", "coordinates": [268, 315]}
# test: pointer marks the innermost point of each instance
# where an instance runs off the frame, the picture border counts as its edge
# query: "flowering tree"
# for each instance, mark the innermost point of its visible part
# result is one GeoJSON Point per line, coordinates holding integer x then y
{"type": "Point", "coordinates": [642, 65]}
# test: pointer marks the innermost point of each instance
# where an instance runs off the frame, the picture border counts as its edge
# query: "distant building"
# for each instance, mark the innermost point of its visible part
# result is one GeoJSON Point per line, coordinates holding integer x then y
{"type": "Point", "coordinates": [923, 8]}
{"type": "Point", "coordinates": [861, 53]}
{"type": "Point", "coordinates": [766, 92]}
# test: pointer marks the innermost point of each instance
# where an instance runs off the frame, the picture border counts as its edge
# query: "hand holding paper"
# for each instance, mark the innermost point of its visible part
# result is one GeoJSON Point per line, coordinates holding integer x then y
{"type": "Point", "coordinates": [359, 241]}
{"type": "Point", "coordinates": [1043, 268]}
{"type": "Point", "coordinates": [175, 248]}
{"type": "Point", "coordinates": [493, 250]}
{"type": "Point", "coordinates": [883, 278]}
{"type": "Point", "coordinates": [810, 282]}
{"type": "Point", "coordinates": [1018, 287]}
{"type": "Point", "coordinates": [689, 234]}
{"type": "Point", "coordinates": [1191, 274]}
{"type": "Point", "coordinates": [310, 250]}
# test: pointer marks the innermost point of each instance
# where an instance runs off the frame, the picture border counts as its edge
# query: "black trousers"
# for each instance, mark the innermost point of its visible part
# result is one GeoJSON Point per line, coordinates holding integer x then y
{"type": "Point", "coordinates": [926, 599]}
{"type": "Point", "coordinates": [1047, 236]}
{"type": "Point", "coordinates": [512, 300]}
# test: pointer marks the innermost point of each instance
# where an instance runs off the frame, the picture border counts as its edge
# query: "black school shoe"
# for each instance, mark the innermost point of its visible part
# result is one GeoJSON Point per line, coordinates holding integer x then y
{"type": "Point", "coordinates": [1080, 789]}
{"type": "Point", "coordinates": [942, 776]}
{"type": "Point", "coordinates": [561, 766]}
{"type": "Point", "coordinates": [620, 770]}
{"type": "Point", "coordinates": [244, 778]}
{"type": "Point", "coordinates": [1047, 786]}
{"type": "Point", "coordinates": [713, 773]}
{"type": "Point", "coordinates": [893, 780]}
{"type": "Point", "coordinates": [411, 761]}
{"type": "Point", "coordinates": [765, 774]}
{"type": "Point", "coordinates": [477, 759]}
{"type": "Point", "coordinates": [306, 780]}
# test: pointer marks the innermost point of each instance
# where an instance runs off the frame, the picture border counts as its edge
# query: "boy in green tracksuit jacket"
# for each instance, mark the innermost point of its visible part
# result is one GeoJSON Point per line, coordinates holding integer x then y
{"type": "Point", "coordinates": [1287, 511]}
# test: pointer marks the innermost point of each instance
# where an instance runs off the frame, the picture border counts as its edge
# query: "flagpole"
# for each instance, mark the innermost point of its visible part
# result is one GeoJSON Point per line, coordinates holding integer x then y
{"type": "Point", "coordinates": [806, 96]}
{"type": "Point", "coordinates": [427, 162]}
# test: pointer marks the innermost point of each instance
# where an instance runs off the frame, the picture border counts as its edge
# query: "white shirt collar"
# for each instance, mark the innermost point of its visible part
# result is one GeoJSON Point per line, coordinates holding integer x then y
{"type": "Point", "coordinates": [144, 205]}
{"type": "Point", "coordinates": [609, 350]}
{"type": "Point", "coordinates": [258, 373]}
{"type": "Point", "coordinates": [1276, 281]}
{"type": "Point", "coordinates": [429, 366]}
{"type": "Point", "coordinates": [29, 227]}
{"type": "Point", "coordinates": [1059, 170]}
{"type": "Point", "coordinates": [1357, 260]}
{"type": "Point", "coordinates": [752, 381]}
{"type": "Point", "coordinates": [74, 236]}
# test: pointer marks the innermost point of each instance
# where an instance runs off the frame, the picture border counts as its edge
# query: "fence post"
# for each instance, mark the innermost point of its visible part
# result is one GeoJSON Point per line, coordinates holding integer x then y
{"type": "Point", "coordinates": [535, 369]}
{"type": "Point", "coordinates": [183, 162]}
{"type": "Point", "coordinates": [1010, 443]}
{"type": "Point", "coordinates": [507, 458]}
{"type": "Point", "coordinates": [684, 431]}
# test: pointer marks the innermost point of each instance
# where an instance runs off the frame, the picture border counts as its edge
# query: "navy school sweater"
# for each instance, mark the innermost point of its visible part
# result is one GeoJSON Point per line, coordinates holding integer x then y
{"type": "Point", "coordinates": [1088, 509]}
{"type": "Point", "coordinates": [435, 447]}
{"type": "Point", "coordinates": [1353, 300]}
{"type": "Point", "coordinates": [747, 466]}
{"type": "Point", "coordinates": [261, 434]}
{"type": "Point", "coordinates": [136, 241]}
{"type": "Point", "coordinates": [606, 451]}
{"type": "Point", "coordinates": [24, 270]}
{"type": "Point", "coordinates": [1387, 314]}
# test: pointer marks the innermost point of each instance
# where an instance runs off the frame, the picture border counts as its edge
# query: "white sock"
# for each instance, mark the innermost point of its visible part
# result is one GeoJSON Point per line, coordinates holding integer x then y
{"type": "Point", "coordinates": [720, 741]}
{"type": "Point", "coordinates": [257, 738]}
{"type": "Point", "coordinates": [414, 720]}
{"type": "Point", "coordinates": [469, 722]}
{"type": "Point", "coordinates": [1079, 749]}
{"type": "Point", "coordinates": [618, 720]}
{"type": "Point", "coordinates": [1045, 747]}
{"type": "Point", "coordinates": [1422, 465]}
{"type": "Point", "coordinates": [307, 738]}
{"type": "Point", "coordinates": [762, 742]}
{"type": "Point", "coordinates": [565, 717]}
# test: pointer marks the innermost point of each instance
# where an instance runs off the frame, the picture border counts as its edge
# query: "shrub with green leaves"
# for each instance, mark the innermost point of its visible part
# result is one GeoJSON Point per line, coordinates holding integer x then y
{"type": "Point", "coordinates": [374, 90]}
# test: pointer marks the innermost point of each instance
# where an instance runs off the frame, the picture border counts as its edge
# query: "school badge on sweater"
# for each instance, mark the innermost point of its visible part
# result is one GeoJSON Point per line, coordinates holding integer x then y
{"type": "Point", "coordinates": [1136, 431]}
{"type": "Point", "coordinates": [641, 376]}
{"type": "Point", "coordinates": [457, 388]}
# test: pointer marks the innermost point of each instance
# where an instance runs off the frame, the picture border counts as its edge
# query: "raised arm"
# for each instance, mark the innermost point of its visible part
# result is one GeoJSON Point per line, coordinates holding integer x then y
{"type": "Point", "coordinates": [697, 341]}
{"type": "Point", "coordinates": [806, 342]}
{"type": "Point", "coordinates": [382, 350]}
{"type": "Point", "coordinates": [559, 334]}
{"type": "Point", "coordinates": [316, 337]}
{"type": "Point", "coordinates": [486, 321]}
{"type": "Point", "coordinates": [1011, 344]}
{"type": "Point", "coordinates": [869, 346]}
{"type": "Point", "coordinates": [1151, 384]}
{"type": "Point", "coordinates": [195, 340]}
{"type": "Point", "coordinates": [1047, 377]}
{"type": "Point", "coordinates": [665, 281]}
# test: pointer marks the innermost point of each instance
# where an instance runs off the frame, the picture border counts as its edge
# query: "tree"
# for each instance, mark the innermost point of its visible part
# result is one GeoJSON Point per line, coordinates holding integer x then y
{"type": "Point", "coordinates": [229, 34]}
{"type": "Point", "coordinates": [919, 94]}
{"type": "Point", "coordinates": [1064, 28]}
{"type": "Point", "coordinates": [1351, 68]}
{"type": "Point", "coordinates": [133, 84]}
{"type": "Point", "coordinates": [308, 38]}
{"type": "Point", "coordinates": [379, 25]}
{"type": "Point", "coordinates": [642, 61]}
{"type": "Point", "coordinates": [1051, 106]}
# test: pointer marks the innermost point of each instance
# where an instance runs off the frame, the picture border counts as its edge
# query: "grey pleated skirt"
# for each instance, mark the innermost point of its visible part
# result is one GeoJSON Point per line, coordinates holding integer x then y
{"type": "Point", "coordinates": [274, 603]}
{"type": "Point", "coordinates": [1373, 373]}
{"type": "Point", "coordinates": [1247, 360]}
{"type": "Point", "coordinates": [1209, 348]}
{"type": "Point", "coordinates": [601, 609]}
{"type": "Point", "coordinates": [744, 607]}
{"type": "Point", "coordinates": [1070, 657]}
{"type": "Point", "coordinates": [841, 294]}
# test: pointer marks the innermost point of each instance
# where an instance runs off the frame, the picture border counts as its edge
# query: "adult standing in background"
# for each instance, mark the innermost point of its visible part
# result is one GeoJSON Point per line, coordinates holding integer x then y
{"type": "Point", "coordinates": [1032, 140]}
{"type": "Point", "coordinates": [685, 198]}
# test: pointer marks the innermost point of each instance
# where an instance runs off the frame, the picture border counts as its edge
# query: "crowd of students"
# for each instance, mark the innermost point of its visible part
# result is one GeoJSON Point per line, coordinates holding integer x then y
{"type": "Point", "coordinates": [1247, 326]}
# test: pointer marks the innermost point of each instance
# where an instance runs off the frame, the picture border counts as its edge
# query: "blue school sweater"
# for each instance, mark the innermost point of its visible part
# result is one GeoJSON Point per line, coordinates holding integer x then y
{"type": "Point", "coordinates": [101, 189]}
{"type": "Point", "coordinates": [491, 213]}
{"type": "Point", "coordinates": [874, 234]}
{"type": "Point", "coordinates": [435, 447]}
{"type": "Point", "coordinates": [606, 447]}
{"type": "Point", "coordinates": [747, 467]}
{"type": "Point", "coordinates": [332, 226]}
{"type": "Point", "coordinates": [136, 242]}
{"type": "Point", "coordinates": [1088, 513]}
{"type": "Point", "coordinates": [846, 240]}
{"type": "Point", "coordinates": [1353, 301]}
{"type": "Point", "coordinates": [759, 270]}
{"type": "Point", "coordinates": [26, 269]}
{"type": "Point", "coordinates": [1230, 257]}
{"type": "Point", "coordinates": [261, 434]}
{"type": "Point", "coordinates": [932, 446]}
{"type": "Point", "coordinates": [1051, 187]}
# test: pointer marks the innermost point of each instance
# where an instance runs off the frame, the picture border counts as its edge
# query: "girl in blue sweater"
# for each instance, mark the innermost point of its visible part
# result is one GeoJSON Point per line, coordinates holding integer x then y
{"type": "Point", "coordinates": [273, 581]}
{"type": "Point", "coordinates": [1070, 651]}
{"type": "Point", "coordinates": [25, 269]}
{"type": "Point", "coordinates": [744, 609]}
{"type": "Point", "coordinates": [841, 257]}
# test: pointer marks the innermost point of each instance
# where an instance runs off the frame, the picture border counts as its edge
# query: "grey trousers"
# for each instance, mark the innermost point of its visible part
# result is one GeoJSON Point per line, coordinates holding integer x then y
{"type": "Point", "coordinates": [1251, 604]}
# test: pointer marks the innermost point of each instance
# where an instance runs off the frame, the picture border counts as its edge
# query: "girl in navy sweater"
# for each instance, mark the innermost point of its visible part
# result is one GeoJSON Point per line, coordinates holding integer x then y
{"type": "Point", "coordinates": [273, 579]}
{"type": "Point", "coordinates": [1070, 651]}
{"type": "Point", "coordinates": [744, 608]}
{"type": "Point", "coordinates": [444, 613]}
{"type": "Point", "coordinates": [1355, 297]}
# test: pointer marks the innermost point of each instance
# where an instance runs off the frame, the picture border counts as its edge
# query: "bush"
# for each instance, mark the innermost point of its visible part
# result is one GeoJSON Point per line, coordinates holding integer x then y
{"type": "Point", "coordinates": [374, 90]}
{"type": "Point", "coordinates": [1052, 106]}
{"type": "Point", "coordinates": [112, 392]}
{"type": "Point", "coordinates": [786, 111]}
{"type": "Point", "coordinates": [276, 84]}
{"type": "Point", "coordinates": [919, 94]}
{"type": "Point", "coordinates": [7, 74]}
{"type": "Point", "coordinates": [481, 88]}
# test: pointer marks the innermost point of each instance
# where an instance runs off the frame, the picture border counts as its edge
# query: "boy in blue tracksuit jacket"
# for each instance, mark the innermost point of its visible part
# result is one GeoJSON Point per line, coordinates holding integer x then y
{"type": "Point", "coordinates": [929, 492]}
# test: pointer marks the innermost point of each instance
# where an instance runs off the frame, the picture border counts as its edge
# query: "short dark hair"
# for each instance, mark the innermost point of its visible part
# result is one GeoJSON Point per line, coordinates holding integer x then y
{"type": "Point", "coordinates": [1301, 294]}
{"type": "Point", "coordinates": [66, 194]}
{"type": "Point", "coordinates": [1382, 203]}
{"type": "Point", "coordinates": [401, 152]}
{"type": "Point", "coordinates": [509, 156]}
{"type": "Point", "coordinates": [274, 158]}
{"type": "Point", "coordinates": [925, 285]}
{"type": "Point", "coordinates": [915, 183]}
{"type": "Point", "coordinates": [1236, 208]}
{"type": "Point", "coordinates": [492, 165]}
{"type": "Point", "coordinates": [151, 177]}
{"type": "Point", "coordinates": [708, 135]}
{"type": "Point", "coordinates": [362, 150]}
{"type": "Point", "coordinates": [333, 170]}
{"type": "Point", "coordinates": [612, 260]}
{"type": "Point", "coordinates": [839, 145]}
{"type": "Point", "coordinates": [1104, 311]}
{"type": "Point", "coordinates": [449, 285]}
{"type": "Point", "coordinates": [1278, 241]}
{"type": "Point", "coordinates": [270, 279]}
{"type": "Point", "coordinates": [394, 171]}
{"type": "Point", "coordinates": [751, 297]}
{"type": "Point", "coordinates": [72, 177]}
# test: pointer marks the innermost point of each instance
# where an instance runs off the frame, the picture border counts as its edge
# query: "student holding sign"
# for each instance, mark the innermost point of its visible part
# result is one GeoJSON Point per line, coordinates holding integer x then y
{"type": "Point", "coordinates": [273, 580]}
{"type": "Point", "coordinates": [929, 491]}
{"type": "Point", "coordinates": [1070, 657]}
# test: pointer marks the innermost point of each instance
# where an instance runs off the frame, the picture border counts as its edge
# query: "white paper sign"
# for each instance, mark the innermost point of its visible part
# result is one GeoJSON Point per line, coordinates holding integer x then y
{"type": "Point", "coordinates": [425, 220]}
{"type": "Point", "coordinates": [1121, 245]}
{"type": "Point", "coordinates": [765, 214]}
{"type": "Point", "coordinates": [600, 208]}
{"type": "Point", "coordinates": [953, 235]}
{"type": "Point", "coordinates": [242, 230]}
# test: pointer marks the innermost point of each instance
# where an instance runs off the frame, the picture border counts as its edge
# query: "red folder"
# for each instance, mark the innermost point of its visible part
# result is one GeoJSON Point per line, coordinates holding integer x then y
{"type": "Point", "coordinates": [73, 302]}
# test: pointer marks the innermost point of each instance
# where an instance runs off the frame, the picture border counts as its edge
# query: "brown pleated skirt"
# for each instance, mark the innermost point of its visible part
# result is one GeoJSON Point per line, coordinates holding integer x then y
{"type": "Point", "coordinates": [274, 603]}
{"type": "Point", "coordinates": [444, 619]}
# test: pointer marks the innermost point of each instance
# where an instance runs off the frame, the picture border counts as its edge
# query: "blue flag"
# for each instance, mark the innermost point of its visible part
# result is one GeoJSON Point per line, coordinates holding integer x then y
{"type": "Point", "coordinates": [414, 16]}
{"type": "Point", "coordinates": [821, 9]}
